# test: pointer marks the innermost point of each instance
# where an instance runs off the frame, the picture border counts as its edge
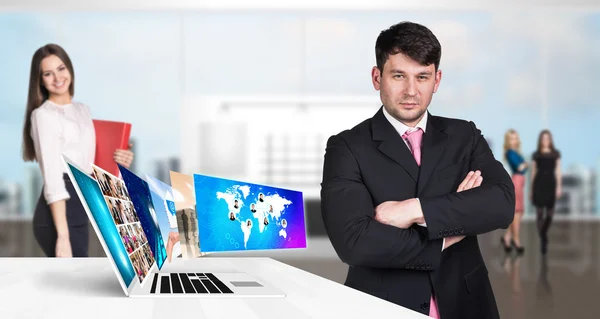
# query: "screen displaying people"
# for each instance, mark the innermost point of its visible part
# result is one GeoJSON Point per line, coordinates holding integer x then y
{"type": "Point", "coordinates": [248, 216]}
{"type": "Point", "coordinates": [126, 220]}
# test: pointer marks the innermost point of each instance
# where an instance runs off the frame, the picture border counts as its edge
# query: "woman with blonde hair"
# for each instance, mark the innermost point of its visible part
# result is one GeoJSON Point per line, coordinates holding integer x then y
{"type": "Point", "coordinates": [518, 166]}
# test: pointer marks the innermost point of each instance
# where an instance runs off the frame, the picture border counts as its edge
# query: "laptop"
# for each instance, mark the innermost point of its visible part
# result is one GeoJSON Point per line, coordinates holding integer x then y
{"type": "Point", "coordinates": [123, 219]}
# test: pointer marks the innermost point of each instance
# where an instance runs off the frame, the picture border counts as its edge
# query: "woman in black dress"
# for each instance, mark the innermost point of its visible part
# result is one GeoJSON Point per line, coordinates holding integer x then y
{"type": "Point", "coordinates": [546, 184]}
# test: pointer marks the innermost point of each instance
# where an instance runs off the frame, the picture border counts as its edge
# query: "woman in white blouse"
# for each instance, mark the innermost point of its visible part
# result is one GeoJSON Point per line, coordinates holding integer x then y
{"type": "Point", "coordinates": [56, 125]}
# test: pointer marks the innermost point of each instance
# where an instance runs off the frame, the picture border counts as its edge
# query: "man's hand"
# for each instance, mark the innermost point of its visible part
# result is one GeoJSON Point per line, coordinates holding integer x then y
{"type": "Point", "coordinates": [399, 214]}
{"type": "Point", "coordinates": [473, 179]}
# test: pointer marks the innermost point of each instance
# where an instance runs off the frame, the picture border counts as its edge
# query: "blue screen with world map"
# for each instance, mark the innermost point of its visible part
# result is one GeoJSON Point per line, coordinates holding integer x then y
{"type": "Point", "coordinates": [235, 215]}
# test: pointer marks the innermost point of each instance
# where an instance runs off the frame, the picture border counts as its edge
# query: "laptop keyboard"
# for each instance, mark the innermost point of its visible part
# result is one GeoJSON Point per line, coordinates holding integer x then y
{"type": "Point", "coordinates": [189, 283]}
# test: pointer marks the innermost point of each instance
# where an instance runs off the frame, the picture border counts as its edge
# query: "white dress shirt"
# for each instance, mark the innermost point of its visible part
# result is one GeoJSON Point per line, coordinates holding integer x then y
{"type": "Point", "coordinates": [62, 129]}
{"type": "Point", "coordinates": [401, 128]}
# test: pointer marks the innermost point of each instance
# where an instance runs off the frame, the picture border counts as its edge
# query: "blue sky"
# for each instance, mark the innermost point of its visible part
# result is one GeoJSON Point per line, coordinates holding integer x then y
{"type": "Point", "coordinates": [139, 67]}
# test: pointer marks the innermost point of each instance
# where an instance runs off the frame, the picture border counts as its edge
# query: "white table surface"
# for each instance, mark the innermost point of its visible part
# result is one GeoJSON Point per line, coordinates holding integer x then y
{"type": "Point", "coordinates": [88, 288]}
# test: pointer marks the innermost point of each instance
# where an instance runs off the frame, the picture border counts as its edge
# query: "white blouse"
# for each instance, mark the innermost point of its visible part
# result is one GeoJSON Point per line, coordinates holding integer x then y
{"type": "Point", "coordinates": [62, 129]}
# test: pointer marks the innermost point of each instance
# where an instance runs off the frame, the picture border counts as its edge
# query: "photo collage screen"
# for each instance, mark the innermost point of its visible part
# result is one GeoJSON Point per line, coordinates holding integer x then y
{"type": "Point", "coordinates": [126, 220]}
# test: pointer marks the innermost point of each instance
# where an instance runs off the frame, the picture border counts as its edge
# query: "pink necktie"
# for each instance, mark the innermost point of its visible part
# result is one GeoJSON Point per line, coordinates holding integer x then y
{"type": "Point", "coordinates": [414, 142]}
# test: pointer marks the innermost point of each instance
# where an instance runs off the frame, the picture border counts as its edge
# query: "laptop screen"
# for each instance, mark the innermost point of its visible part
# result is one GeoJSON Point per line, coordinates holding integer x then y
{"type": "Point", "coordinates": [94, 199]}
{"type": "Point", "coordinates": [142, 201]}
{"type": "Point", "coordinates": [127, 219]}
{"type": "Point", "coordinates": [235, 215]}
{"type": "Point", "coordinates": [164, 205]}
{"type": "Point", "coordinates": [185, 210]}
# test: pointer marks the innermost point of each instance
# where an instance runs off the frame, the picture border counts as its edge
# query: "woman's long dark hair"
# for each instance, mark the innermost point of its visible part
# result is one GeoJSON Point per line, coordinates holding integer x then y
{"type": "Point", "coordinates": [38, 93]}
{"type": "Point", "coordinates": [539, 144]}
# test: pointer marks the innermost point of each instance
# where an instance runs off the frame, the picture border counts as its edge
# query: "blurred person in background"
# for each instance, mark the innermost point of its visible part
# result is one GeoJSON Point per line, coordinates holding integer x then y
{"type": "Point", "coordinates": [546, 184]}
{"type": "Point", "coordinates": [518, 166]}
{"type": "Point", "coordinates": [54, 124]}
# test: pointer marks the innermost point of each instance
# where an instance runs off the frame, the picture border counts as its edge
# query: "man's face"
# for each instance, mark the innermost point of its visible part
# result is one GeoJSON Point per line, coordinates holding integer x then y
{"type": "Point", "coordinates": [406, 87]}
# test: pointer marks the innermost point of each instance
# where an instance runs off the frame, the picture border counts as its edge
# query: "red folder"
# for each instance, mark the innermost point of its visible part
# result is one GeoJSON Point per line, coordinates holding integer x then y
{"type": "Point", "coordinates": [110, 136]}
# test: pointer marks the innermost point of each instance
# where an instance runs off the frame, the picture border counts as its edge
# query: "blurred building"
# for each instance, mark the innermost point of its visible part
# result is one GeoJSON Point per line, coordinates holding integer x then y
{"type": "Point", "coordinates": [10, 199]}
{"type": "Point", "coordinates": [162, 168]}
{"type": "Point", "coordinates": [244, 137]}
{"type": "Point", "coordinates": [597, 182]}
{"type": "Point", "coordinates": [32, 189]}
{"type": "Point", "coordinates": [578, 192]}
{"type": "Point", "coordinates": [594, 197]}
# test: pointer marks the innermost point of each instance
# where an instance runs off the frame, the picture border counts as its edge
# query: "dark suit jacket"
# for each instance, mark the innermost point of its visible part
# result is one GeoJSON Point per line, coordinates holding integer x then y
{"type": "Point", "coordinates": [371, 164]}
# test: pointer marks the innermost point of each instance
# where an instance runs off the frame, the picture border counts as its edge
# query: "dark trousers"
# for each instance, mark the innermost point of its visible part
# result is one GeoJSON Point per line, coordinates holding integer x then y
{"type": "Point", "coordinates": [77, 221]}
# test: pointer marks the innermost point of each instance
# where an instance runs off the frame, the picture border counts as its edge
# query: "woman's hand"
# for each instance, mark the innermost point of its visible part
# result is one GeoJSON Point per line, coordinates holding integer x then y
{"type": "Point", "coordinates": [522, 166]}
{"type": "Point", "coordinates": [63, 247]}
{"type": "Point", "coordinates": [124, 157]}
{"type": "Point", "coordinates": [558, 192]}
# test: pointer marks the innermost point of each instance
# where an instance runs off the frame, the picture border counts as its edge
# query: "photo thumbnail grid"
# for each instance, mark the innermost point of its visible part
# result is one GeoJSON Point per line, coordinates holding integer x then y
{"type": "Point", "coordinates": [126, 220]}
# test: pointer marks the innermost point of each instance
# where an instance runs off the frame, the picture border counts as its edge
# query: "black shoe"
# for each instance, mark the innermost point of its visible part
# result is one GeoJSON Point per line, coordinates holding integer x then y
{"type": "Point", "coordinates": [507, 248]}
{"type": "Point", "coordinates": [519, 249]}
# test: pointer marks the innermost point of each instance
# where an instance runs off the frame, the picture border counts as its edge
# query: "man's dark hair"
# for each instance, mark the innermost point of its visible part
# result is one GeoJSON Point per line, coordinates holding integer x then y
{"type": "Point", "coordinates": [411, 39]}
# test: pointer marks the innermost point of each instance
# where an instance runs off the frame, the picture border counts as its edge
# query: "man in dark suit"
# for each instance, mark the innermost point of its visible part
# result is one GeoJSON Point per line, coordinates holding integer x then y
{"type": "Point", "coordinates": [405, 193]}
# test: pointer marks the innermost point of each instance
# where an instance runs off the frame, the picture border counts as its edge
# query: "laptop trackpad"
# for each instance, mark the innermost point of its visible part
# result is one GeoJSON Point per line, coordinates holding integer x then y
{"type": "Point", "coordinates": [245, 284]}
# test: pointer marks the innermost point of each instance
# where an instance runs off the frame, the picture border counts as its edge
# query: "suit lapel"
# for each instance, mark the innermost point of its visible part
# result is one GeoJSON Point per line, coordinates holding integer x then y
{"type": "Point", "coordinates": [433, 145]}
{"type": "Point", "coordinates": [392, 144]}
